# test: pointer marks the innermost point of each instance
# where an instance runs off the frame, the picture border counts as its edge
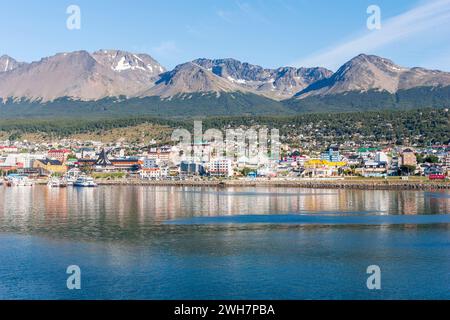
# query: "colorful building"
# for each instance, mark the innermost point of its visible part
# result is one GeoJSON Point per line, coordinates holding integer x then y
{"type": "Point", "coordinates": [50, 166]}
{"type": "Point", "coordinates": [322, 168]}
{"type": "Point", "coordinates": [408, 158]}
{"type": "Point", "coordinates": [331, 155]}
{"type": "Point", "coordinates": [60, 155]}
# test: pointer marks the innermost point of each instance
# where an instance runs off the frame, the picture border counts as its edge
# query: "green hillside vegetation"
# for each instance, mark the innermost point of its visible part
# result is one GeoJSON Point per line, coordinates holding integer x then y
{"type": "Point", "coordinates": [181, 106]}
{"type": "Point", "coordinates": [421, 97]}
{"type": "Point", "coordinates": [422, 126]}
{"type": "Point", "coordinates": [227, 104]}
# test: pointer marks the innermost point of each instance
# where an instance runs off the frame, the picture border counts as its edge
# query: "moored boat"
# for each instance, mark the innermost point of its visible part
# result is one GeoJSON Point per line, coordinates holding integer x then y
{"type": "Point", "coordinates": [57, 183]}
{"type": "Point", "coordinates": [15, 180]}
{"type": "Point", "coordinates": [84, 181]}
{"type": "Point", "coordinates": [71, 176]}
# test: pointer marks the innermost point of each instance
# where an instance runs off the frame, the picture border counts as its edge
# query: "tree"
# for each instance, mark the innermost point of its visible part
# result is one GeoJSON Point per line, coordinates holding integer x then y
{"type": "Point", "coordinates": [408, 169]}
{"type": "Point", "coordinates": [431, 159]}
{"type": "Point", "coordinates": [245, 171]}
{"type": "Point", "coordinates": [86, 169]}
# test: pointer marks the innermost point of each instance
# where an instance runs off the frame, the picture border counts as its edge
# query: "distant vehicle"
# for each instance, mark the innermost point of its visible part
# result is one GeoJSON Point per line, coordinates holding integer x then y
{"type": "Point", "coordinates": [252, 175]}
{"type": "Point", "coordinates": [436, 177]}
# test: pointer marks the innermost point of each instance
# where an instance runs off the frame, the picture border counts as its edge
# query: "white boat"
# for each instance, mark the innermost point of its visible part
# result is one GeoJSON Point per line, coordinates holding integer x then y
{"type": "Point", "coordinates": [56, 183]}
{"type": "Point", "coordinates": [84, 181]}
{"type": "Point", "coordinates": [71, 176]}
{"type": "Point", "coordinates": [18, 181]}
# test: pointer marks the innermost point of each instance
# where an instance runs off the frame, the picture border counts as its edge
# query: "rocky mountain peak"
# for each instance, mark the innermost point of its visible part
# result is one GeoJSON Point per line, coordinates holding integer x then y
{"type": "Point", "coordinates": [370, 72]}
{"type": "Point", "coordinates": [189, 77]}
{"type": "Point", "coordinates": [123, 61]}
{"type": "Point", "coordinates": [279, 84]}
{"type": "Point", "coordinates": [7, 63]}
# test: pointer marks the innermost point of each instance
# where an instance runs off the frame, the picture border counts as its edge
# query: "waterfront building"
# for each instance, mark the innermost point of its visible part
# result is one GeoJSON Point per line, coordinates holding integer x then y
{"type": "Point", "coordinates": [150, 173]}
{"type": "Point", "coordinates": [408, 158]}
{"type": "Point", "coordinates": [332, 154]}
{"type": "Point", "coordinates": [221, 168]}
{"type": "Point", "coordinates": [21, 160]}
{"type": "Point", "coordinates": [373, 169]}
{"type": "Point", "coordinates": [104, 164]}
{"type": "Point", "coordinates": [27, 159]}
{"type": "Point", "coordinates": [50, 166]}
{"type": "Point", "coordinates": [322, 168]}
{"type": "Point", "coordinates": [192, 169]}
{"type": "Point", "coordinates": [160, 154]}
{"type": "Point", "coordinates": [58, 154]}
{"type": "Point", "coordinates": [126, 164]}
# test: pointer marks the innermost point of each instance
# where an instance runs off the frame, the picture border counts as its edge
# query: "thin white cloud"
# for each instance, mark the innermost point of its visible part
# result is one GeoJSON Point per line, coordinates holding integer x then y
{"type": "Point", "coordinates": [251, 12]}
{"type": "Point", "coordinates": [192, 30]}
{"type": "Point", "coordinates": [424, 17]}
{"type": "Point", "coordinates": [242, 12]}
{"type": "Point", "coordinates": [227, 16]}
{"type": "Point", "coordinates": [166, 48]}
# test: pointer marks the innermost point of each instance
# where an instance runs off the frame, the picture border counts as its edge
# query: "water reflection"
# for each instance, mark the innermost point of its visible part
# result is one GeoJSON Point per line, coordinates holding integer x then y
{"type": "Point", "coordinates": [112, 212]}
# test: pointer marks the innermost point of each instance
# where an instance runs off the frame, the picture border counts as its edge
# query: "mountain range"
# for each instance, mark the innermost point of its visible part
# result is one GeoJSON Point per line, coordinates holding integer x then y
{"type": "Point", "coordinates": [79, 75]}
{"type": "Point", "coordinates": [114, 80]}
{"type": "Point", "coordinates": [368, 72]}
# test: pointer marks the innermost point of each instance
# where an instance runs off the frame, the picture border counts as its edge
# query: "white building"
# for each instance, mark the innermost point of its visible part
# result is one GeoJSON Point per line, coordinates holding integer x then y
{"type": "Point", "coordinates": [150, 173]}
{"type": "Point", "coordinates": [267, 171]}
{"type": "Point", "coordinates": [86, 153]}
{"type": "Point", "coordinates": [24, 160]}
{"type": "Point", "coordinates": [149, 163]}
{"type": "Point", "coordinates": [160, 155]}
{"type": "Point", "coordinates": [221, 168]}
{"type": "Point", "coordinates": [8, 149]}
{"type": "Point", "coordinates": [381, 157]}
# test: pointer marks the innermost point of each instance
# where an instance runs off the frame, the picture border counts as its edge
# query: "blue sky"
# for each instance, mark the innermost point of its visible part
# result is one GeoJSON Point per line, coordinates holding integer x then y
{"type": "Point", "coordinates": [270, 33]}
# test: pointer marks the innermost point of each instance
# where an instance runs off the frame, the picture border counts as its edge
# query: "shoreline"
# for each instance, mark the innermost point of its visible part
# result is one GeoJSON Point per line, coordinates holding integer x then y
{"type": "Point", "coordinates": [310, 184]}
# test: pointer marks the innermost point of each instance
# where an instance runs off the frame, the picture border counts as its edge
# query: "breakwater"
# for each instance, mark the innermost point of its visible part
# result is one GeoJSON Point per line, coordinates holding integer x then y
{"type": "Point", "coordinates": [315, 184]}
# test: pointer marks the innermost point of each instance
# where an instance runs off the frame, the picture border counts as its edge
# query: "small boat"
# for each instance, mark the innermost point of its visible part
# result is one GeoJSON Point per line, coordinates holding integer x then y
{"type": "Point", "coordinates": [18, 181]}
{"type": "Point", "coordinates": [53, 183]}
{"type": "Point", "coordinates": [57, 183]}
{"type": "Point", "coordinates": [85, 181]}
{"type": "Point", "coordinates": [71, 176]}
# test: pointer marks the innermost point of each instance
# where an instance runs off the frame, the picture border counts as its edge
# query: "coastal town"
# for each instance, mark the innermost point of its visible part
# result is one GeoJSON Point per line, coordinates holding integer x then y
{"type": "Point", "coordinates": [65, 161]}
{"type": "Point", "coordinates": [225, 159]}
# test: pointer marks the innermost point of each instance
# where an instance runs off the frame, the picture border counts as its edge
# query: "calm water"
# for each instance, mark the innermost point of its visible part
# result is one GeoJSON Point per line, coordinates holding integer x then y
{"type": "Point", "coordinates": [136, 242]}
